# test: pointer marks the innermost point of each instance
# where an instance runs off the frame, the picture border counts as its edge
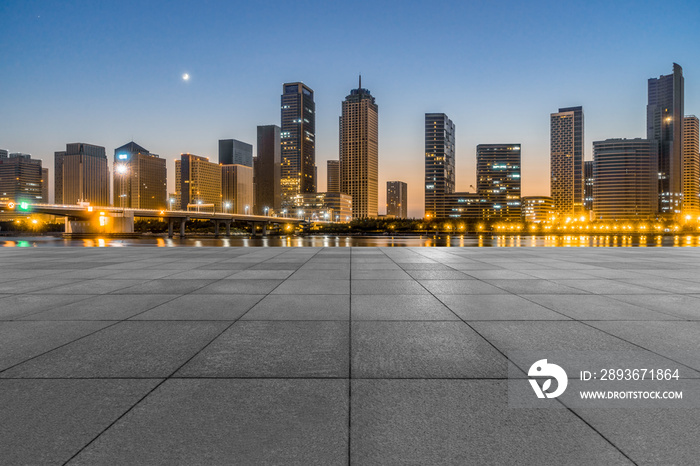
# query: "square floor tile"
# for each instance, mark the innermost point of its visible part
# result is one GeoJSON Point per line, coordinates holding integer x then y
{"type": "Point", "coordinates": [497, 307]}
{"type": "Point", "coordinates": [301, 307]}
{"type": "Point", "coordinates": [465, 422]}
{"type": "Point", "coordinates": [127, 349]}
{"type": "Point", "coordinates": [48, 421]}
{"type": "Point", "coordinates": [202, 307]}
{"type": "Point", "coordinates": [275, 349]}
{"type": "Point", "coordinates": [309, 287]}
{"type": "Point", "coordinates": [219, 421]}
{"type": "Point", "coordinates": [422, 350]}
{"type": "Point", "coordinates": [387, 287]}
{"type": "Point", "coordinates": [399, 307]}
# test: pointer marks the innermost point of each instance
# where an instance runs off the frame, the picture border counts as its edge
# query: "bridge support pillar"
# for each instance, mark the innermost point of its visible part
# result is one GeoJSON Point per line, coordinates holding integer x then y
{"type": "Point", "coordinates": [182, 227]}
{"type": "Point", "coordinates": [216, 228]}
{"type": "Point", "coordinates": [228, 228]}
{"type": "Point", "coordinates": [170, 227]}
{"type": "Point", "coordinates": [264, 229]}
{"type": "Point", "coordinates": [253, 229]}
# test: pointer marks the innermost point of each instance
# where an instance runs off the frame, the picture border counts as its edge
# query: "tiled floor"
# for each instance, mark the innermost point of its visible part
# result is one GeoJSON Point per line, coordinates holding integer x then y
{"type": "Point", "coordinates": [330, 356]}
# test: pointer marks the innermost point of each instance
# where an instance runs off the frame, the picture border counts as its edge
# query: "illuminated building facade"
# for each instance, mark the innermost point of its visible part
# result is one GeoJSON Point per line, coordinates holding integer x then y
{"type": "Point", "coordinates": [538, 209]}
{"type": "Point", "coordinates": [140, 178]}
{"type": "Point", "coordinates": [464, 205]}
{"type": "Point", "coordinates": [298, 142]}
{"type": "Point", "coordinates": [439, 163]}
{"type": "Point", "coordinates": [197, 182]}
{"type": "Point", "coordinates": [237, 189]}
{"type": "Point", "coordinates": [359, 152]}
{"type": "Point", "coordinates": [332, 207]}
{"type": "Point", "coordinates": [498, 180]}
{"type": "Point", "coordinates": [625, 179]}
{"type": "Point", "coordinates": [21, 179]}
{"type": "Point", "coordinates": [665, 125]}
{"type": "Point", "coordinates": [397, 199]}
{"type": "Point", "coordinates": [691, 166]}
{"type": "Point", "coordinates": [566, 160]}
{"type": "Point", "coordinates": [81, 174]}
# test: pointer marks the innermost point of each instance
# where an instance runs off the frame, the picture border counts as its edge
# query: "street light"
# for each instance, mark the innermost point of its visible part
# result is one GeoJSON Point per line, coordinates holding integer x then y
{"type": "Point", "coordinates": [266, 209]}
{"type": "Point", "coordinates": [172, 201]}
{"type": "Point", "coordinates": [227, 205]}
{"type": "Point", "coordinates": [246, 209]}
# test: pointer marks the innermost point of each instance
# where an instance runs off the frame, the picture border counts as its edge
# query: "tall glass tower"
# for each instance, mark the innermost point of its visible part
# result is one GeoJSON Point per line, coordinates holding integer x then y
{"type": "Point", "coordinates": [665, 125]}
{"type": "Point", "coordinates": [566, 160]}
{"type": "Point", "coordinates": [298, 142]}
{"type": "Point", "coordinates": [359, 152]}
{"type": "Point", "coordinates": [439, 163]}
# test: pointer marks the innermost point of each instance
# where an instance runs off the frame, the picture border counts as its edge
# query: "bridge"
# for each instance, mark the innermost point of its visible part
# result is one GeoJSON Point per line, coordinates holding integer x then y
{"type": "Point", "coordinates": [88, 219]}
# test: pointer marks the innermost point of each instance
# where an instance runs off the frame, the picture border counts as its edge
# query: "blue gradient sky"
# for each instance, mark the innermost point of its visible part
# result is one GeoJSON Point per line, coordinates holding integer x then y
{"type": "Point", "coordinates": [109, 72]}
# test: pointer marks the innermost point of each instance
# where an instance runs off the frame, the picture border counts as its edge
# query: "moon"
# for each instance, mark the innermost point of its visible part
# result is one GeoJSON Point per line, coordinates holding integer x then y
{"type": "Point", "coordinates": [185, 77]}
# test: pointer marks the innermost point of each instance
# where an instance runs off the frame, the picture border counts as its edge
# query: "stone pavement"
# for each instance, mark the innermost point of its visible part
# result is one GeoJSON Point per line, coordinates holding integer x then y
{"type": "Point", "coordinates": [330, 355]}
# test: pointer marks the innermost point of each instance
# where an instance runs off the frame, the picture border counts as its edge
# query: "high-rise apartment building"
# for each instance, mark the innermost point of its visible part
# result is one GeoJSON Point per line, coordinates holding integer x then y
{"type": "Point", "coordinates": [140, 178]}
{"type": "Point", "coordinates": [439, 163]}
{"type": "Point", "coordinates": [691, 166]}
{"type": "Point", "coordinates": [589, 182]}
{"type": "Point", "coordinates": [237, 189]}
{"type": "Point", "coordinates": [81, 174]}
{"type": "Point", "coordinates": [267, 173]}
{"type": "Point", "coordinates": [298, 142]}
{"type": "Point", "coordinates": [498, 180]}
{"type": "Point", "coordinates": [197, 183]}
{"type": "Point", "coordinates": [333, 176]}
{"type": "Point", "coordinates": [21, 179]}
{"type": "Point", "coordinates": [665, 125]}
{"type": "Point", "coordinates": [397, 199]}
{"type": "Point", "coordinates": [566, 160]}
{"type": "Point", "coordinates": [625, 179]}
{"type": "Point", "coordinates": [359, 152]}
{"type": "Point", "coordinates": [233, 151]}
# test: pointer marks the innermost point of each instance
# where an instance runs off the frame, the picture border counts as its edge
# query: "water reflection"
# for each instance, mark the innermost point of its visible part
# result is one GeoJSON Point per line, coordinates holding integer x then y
{"type": "Point", "coordinates": [482, 240]}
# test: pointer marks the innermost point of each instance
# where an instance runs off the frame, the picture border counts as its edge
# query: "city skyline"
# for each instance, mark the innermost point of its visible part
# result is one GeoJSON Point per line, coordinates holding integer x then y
{"type": "Point", "coordinates": [486, 106]}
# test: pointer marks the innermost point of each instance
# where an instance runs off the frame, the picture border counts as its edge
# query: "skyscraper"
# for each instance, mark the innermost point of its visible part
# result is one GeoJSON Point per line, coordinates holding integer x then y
{"type": "Point", "coordinates": [81, 175]}
{"type": "Point", "coordinates": [397, 199]}
{"type": "Point", "coordinates": [665, 125]}
{"type": "Point", "coordinates": [691, 166]}
{"type": "Point", "coordinates": [498, 180]}
{"type": "Point", "coordinates": [233, 151]}
{"type": "Point", "coordinates": [20, 179]}
{"type": "Point", "coordinates": [197, 182]}
{"type": "Point", "coordinates": [298, 140]}
{"type": "Point", "coordinates": [439, 163]}
{"type": "Point", "coordinates": [359, 151]}
{"type": "Point", "coordinates": [566, 160]}
{"type": "Point", "coordinates": [625, 179]}
{"type": "Point", "coordinates": [333, 176]}
{"type": "Point", "coordinates": [140, 178]}
{"type": "Point", "coordinates": [589, 182]}
{"type": "Point", "coordinates": [267, 171]}
{"type": "Point", "coordinates": [237, 189]}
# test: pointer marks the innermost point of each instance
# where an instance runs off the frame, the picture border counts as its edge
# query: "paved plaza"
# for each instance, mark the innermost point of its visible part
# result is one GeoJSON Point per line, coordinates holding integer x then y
{"type": "Point", "coordinates": [331, 355]}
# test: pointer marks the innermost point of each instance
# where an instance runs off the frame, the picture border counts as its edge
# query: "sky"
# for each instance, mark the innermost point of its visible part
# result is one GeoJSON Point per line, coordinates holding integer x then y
{"type": "Point", "coordinates": [107, 73]}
